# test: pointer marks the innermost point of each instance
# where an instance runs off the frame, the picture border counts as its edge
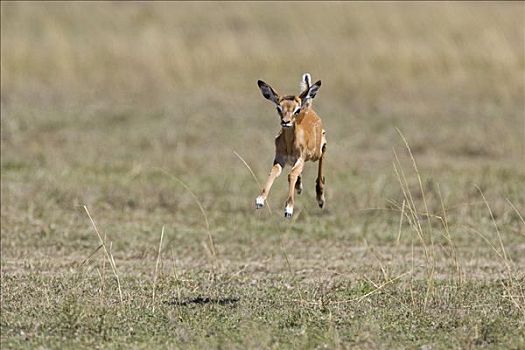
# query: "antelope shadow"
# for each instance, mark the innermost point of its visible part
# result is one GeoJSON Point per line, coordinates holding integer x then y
{"type": "Point", "coordinates": [204, 300]}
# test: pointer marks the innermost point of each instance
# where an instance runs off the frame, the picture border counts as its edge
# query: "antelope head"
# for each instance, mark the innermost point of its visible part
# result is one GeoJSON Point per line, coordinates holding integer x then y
{"type": "Point", "coordinates": [290, 106]}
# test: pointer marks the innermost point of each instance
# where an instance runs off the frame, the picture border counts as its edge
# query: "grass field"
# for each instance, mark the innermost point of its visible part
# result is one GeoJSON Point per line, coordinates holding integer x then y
{"type": "Point", "coordinates": [144, 113]}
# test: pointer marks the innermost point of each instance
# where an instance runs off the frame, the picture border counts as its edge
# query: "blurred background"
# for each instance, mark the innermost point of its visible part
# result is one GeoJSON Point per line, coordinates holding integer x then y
{"type": "Point", "coordinates": [96, 97]}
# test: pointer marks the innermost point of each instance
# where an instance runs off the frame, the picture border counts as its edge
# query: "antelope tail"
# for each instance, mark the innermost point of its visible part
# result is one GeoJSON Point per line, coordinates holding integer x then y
{"type": "Point", "coordinates": [306, 82]}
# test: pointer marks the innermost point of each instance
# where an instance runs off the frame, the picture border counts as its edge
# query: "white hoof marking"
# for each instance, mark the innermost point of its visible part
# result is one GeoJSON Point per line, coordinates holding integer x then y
{"type": "Point", "coordinates": [288, 211]}
{"type": "Point", "coordinates": [259, 202]}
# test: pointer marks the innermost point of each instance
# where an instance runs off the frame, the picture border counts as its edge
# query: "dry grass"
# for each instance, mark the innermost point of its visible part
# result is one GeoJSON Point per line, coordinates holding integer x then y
{"type": "Point", "coordinates": [149, 114]}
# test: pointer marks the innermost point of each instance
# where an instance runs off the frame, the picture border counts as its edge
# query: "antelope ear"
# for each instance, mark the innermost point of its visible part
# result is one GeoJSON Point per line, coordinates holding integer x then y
{"type": "Point", "coordinates": [268, 92]}
{"type": "Point", "coordinates": [310, 93]}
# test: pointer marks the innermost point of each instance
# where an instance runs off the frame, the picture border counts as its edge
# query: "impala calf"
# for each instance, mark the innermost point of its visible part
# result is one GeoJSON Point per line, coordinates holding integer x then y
{"type": "Point", "coordinates": [302, 139]}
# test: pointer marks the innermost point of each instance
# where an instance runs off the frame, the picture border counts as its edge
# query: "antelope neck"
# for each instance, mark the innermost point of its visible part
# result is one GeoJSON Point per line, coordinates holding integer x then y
{"type": "Point", "coordinates": [289, 136]}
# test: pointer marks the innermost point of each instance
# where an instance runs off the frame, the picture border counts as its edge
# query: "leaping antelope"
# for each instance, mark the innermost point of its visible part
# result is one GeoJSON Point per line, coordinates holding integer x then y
{"type": "Point", "coordinates": [302, 138]}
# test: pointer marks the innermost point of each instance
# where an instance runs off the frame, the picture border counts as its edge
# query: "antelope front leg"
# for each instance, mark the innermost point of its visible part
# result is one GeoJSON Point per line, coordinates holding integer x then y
{"type": "Point", "coordinates": [274, 173]}
{"type": "Point", "coordinates": [292, 179]}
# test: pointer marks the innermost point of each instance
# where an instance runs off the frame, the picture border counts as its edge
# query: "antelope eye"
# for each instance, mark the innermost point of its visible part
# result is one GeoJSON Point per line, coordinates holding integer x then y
{"type": "Point", "coordinates": [279, 110]}
{"type": "Point", "coordinates": [297, 110]}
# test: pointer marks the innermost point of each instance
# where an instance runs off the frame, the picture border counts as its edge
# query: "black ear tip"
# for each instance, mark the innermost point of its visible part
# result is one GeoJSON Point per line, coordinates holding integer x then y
{"type": "Point", "coordinates": [318, 83]}
{"type": "Point", "coordinates": [260, 83]}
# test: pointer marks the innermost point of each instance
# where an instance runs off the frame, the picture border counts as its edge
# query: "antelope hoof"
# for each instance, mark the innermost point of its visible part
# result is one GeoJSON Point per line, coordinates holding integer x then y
{"type": "Point", "coordinates": [299, 188]}
{"type": "Point", "coordinates": [259, 202]}
{"type": "Point", "coordinates": [288, 212]}
{"type": "Point", "coordinates": [320, 201]}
